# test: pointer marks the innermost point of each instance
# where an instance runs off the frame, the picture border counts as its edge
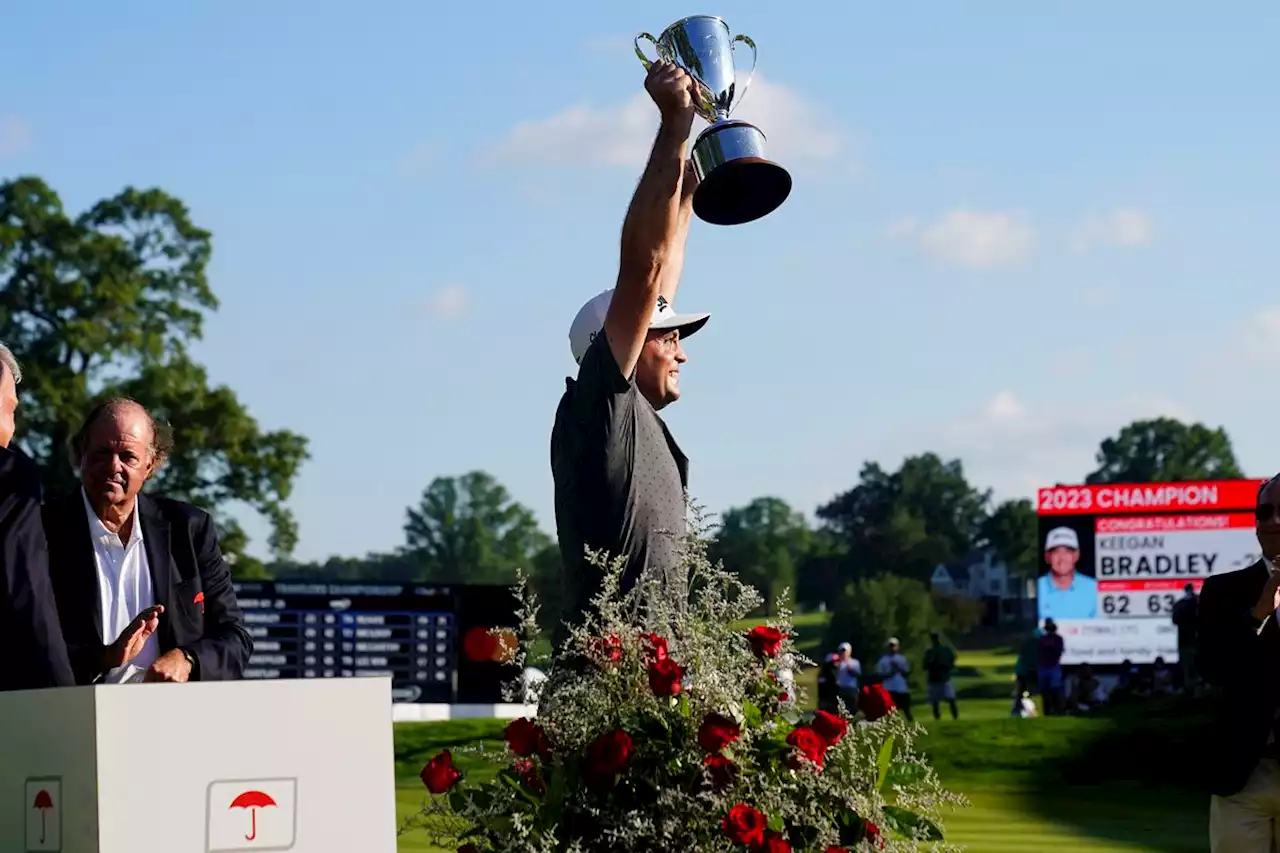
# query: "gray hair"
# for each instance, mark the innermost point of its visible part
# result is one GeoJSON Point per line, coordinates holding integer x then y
{"type": "Point", "coordinates": [10, 363]}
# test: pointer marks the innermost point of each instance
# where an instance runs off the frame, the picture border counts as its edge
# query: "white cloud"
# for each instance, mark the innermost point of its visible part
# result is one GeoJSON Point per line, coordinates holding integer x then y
{"type": "Point", "coordinates": [620, 135]}
{"type": "Point", "coordinates": [15, 136]}
{"type": "Point", "coordinates": [449, 302]}
{"type": "Point", "coordinates": [970, 238]}
{"type": "Point", "coordinates": [1015, 448]}
{"type": "Point", "coordinates": [418, 161]}
{"type": "Point", "coordinates": [1259, 337]}
{"type": "Point", "coordinates": [1120, 227]}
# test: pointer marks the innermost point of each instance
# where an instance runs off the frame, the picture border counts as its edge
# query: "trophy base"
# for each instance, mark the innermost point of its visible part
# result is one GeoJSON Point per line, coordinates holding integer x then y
{"type": "Point", "coordinates": [736, 183]}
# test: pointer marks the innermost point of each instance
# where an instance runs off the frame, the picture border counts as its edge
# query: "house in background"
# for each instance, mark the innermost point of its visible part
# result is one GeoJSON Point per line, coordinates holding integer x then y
{"type": "Point", "coordinates": [981, 575]}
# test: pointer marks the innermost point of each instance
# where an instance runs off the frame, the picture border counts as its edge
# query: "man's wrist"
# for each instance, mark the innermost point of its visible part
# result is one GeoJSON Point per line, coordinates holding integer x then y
{"type": "Point", "coordinates": [192, 661]}
{"type": "Point", "coordinates": [674, 132]}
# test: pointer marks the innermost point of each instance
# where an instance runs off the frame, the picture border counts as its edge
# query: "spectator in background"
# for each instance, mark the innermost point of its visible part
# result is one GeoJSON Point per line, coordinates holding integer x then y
{"type": "Point", "coordinates": [1024, 670]}
{"type": "Point", "coordinates": [1088, 692]}
{"type": "Point", "coordinates": [1185, 618]}
{"type": "Point", "coordinates": [892, 669]}
{"type": "Point", "coordinates": [939, 662]}
{"type": "Point", "coordinates": [1049, 667]}
{"type": "Point", "coordinates": [848, 676]}
{"type": "Point", "coordinates": [828, 693]}
{"type": "Point", "coordinates": [1161, 678]}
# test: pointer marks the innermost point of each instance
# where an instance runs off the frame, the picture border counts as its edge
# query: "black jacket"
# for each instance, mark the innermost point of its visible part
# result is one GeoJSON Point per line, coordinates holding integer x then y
{"type": "Point", "coordinates": [189, 576]}
{"type": "Point", "coordinates": [35, 654]}
{"type": "Point", "coordinates": [1245, 663]}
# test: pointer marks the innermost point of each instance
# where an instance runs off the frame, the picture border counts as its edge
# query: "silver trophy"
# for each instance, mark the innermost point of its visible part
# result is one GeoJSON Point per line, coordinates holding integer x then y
{"type": "Point", "coordinates": [736, 183]}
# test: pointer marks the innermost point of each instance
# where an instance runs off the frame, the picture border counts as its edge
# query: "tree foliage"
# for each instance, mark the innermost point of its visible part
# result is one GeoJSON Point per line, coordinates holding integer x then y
{"type": "Point", "coordinates": [763, 543]}
{"type": "Point", "coordinates": [874, 609]}
{"type": "Point", "coordinates": [1012, 530]}
{"type": "Point", "coordinates": [1165, 450]}
{"type": "Point", "coordinates": [907, 521]}
{"type": "Point", "coordinates": [469, 529]}
{"type": "Point", "coordinates": [108, 302]}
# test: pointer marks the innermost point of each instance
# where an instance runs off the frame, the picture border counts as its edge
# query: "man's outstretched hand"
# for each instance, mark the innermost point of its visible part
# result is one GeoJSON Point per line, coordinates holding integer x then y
{"type": "Point", "coordinates": [674, 91]}
{"type": "Point", "coordinates": [133, 638]}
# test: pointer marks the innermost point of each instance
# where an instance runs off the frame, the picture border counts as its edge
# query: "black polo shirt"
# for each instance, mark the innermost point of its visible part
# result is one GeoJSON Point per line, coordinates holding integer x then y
{"type": "Point", "coordinates": [620, 482]}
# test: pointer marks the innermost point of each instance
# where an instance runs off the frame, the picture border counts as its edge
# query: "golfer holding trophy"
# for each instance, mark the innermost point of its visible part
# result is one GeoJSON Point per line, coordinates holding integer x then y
{"type": "Point", "coordinates": [620, 477]}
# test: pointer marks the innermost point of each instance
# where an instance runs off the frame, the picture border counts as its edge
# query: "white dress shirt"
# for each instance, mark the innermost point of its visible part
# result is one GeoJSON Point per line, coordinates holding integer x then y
{"type": "Point", "coordinates": [124, 588]}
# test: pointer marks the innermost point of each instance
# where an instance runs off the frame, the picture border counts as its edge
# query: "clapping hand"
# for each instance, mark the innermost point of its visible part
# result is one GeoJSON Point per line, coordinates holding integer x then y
{"type": "Point", "coordinates": [133, 638]}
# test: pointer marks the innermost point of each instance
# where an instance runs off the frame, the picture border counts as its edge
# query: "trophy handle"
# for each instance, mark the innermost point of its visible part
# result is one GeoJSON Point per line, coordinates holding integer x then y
{"type": "Point", "coordinates": [644, 60]}
{"type": "Point", "coordinates": [741, 91]}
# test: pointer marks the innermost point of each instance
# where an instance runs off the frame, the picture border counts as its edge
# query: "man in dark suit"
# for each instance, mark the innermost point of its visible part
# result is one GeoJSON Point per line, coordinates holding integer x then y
{"type": "Point", "coordinates": [35, 654]}
{"type": "Point", "coordinates": [1239, 651]}
{"type": "Point", "coordinates": [143, 590]}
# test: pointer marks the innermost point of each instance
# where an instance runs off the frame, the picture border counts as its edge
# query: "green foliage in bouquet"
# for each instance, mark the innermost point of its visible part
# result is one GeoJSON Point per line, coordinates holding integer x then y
{"type": "Point", "coordinates": [662, 728]}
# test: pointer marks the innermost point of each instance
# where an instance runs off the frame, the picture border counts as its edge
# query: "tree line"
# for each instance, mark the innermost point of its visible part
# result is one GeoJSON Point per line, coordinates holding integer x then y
{"type": "Point", "coordinates": [108, 301]}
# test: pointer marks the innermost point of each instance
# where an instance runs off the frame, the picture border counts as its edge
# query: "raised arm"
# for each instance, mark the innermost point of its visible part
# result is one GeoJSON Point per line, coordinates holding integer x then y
{"type": "Point", "coordinates": [675, 263]}
{"type": "Point", "coordinates": [654, 230]}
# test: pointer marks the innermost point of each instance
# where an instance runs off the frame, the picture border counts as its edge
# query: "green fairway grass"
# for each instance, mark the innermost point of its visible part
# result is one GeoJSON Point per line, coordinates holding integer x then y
{"type": "Point", "coordinates": [1032, 783]}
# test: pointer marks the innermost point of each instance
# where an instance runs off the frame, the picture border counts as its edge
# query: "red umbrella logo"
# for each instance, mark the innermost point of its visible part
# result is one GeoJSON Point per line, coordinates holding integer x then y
{"type": "Point", "coordinates": [252, 800]}
{"type": "Point", "coordinates": [43, 804]}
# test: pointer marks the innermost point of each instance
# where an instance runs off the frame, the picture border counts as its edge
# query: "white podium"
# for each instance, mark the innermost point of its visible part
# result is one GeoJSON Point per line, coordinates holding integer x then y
{"type": "Point", "coordinates": [304, 765]}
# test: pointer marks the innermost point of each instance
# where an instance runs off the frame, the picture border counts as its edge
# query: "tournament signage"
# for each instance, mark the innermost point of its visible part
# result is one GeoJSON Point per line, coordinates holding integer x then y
{"type": "Point", "coordinates": [435, 642]}
{"type": "Point", "coordinates": [1116, 558]}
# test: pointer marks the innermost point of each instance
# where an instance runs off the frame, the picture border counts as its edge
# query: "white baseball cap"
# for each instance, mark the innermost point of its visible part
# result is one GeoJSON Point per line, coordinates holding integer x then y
{"type": "Point", "coordinates": [590, 321]}
{"type": "Point", "coordinates": [1062, 537]}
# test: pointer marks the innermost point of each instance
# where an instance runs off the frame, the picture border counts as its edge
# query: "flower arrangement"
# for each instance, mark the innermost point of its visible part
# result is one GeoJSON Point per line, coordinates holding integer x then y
{"type": "Point", "coordinates": [665, 728]}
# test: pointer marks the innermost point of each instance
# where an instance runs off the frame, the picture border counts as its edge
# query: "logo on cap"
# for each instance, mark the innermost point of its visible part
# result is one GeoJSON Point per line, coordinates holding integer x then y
{"type": "Point", "coordinates": [662, 303]}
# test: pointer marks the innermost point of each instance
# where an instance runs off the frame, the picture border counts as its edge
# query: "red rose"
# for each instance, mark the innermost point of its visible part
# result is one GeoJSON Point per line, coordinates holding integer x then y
{"type": "Point", "coordinates": [525, 737]}
{"type": "Point", "coordinates": [783, 696]}
{"type": "Point", "coordinates": [830, 726]}
{"type": "Point", "coordinates": [664, 677]}
{"type": "Point", "coordinates": [607, 756]}
{"type": "Point", "coordinates": [657, 647]}
{"type": "Point", "coordinates": [717, 732]}
{"type": "Point", "coordinates": [765, 641]}
{"type": "Point", "coordinates": [874, 701]}
{"type": "Point", "coordinates": [744, 825]}
{"type": "Point", "coordinates": [608, 648]}
{"type": "Point", "coordinates": [774, 842]}
{"type": "Point", "coordinates": [871, 832]}
{"type": "Point", "coordinates": [835, 850]}
{"type": "Point", "coordinates": [440, 774]}
{"type": "Point", "coordinates": [528, 773]}
{"type": "Point", "coordinates": [720, 771]}
{"type": "Point", "coordinates": [808, 743]}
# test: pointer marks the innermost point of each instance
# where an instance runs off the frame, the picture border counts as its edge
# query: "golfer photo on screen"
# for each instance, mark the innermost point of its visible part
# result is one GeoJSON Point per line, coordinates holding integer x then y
{"type": "Point", "coordinates": [1063, 591]}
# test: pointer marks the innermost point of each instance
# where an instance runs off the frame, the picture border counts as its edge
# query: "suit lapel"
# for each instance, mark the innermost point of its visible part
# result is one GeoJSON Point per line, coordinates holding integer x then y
{"type": "Point", "coordinates": [155, 542]}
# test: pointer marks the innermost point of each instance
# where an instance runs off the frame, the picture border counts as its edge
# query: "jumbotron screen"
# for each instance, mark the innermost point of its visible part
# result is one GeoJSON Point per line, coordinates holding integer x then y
{"type": "Point", "coordinates": [1115, 559]}
{"type": "Point", "coordinates": [435, 642]}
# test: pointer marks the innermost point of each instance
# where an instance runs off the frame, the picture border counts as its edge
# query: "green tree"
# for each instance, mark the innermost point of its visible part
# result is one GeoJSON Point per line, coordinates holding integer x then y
{"type": "Point", "coordinates": [1012, 531]}
{"type": "Point", "coordinates": [874, 609]}
{"type": "Point", "coordinates": [907, 521]}
{"type": "Point", "coordinates": [107, 302]}
{"type": "Point", "coordinates": [820, 575]}
{"type": "Point", "coordinates": [763, 542]}
{"type": "Point", "coordinates": [1165, 450]}
{"type": "Point", "coordinates": [468, 529]}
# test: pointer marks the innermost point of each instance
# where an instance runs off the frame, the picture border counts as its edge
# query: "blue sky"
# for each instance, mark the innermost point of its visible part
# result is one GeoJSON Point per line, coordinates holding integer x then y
{"type": "Point", "coordinates": [1015, 228]}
